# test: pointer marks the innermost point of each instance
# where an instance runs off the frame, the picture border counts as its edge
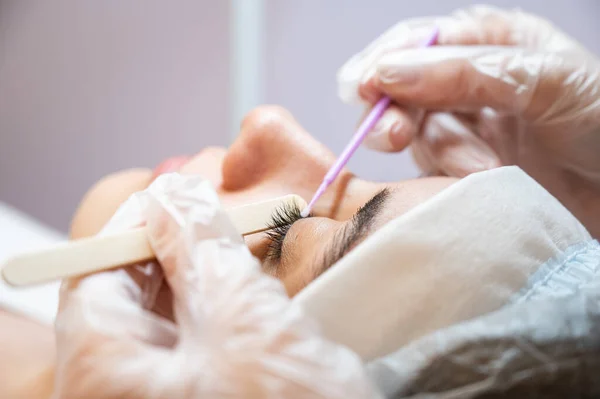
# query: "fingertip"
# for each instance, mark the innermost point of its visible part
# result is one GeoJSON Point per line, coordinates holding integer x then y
{"type": "Point", "coordinates": [395, 71]}
{"type": "Point", "coordinates": [481, 165]}
{"type": "Point", "coordinates": [461, 163]}
{"type": "Point", "coordinates": [402, 133]}
{"type": "Point", "coordinates": [102, 200]}
{"type": "Point", "coordinates": [393, 132]}
{"type": "Point", "coordinates": [368, 90]}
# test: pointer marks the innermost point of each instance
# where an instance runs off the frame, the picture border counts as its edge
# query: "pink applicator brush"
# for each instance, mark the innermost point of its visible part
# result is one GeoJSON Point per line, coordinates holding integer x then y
{"type": "Point", "coordinates": [365, 127]}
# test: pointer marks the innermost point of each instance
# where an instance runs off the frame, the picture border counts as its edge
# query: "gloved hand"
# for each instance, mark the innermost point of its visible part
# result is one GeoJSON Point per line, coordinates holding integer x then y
{"type": "Point", "coordinates": [234, 331]}
{"type": "Point", "coordinates": [499, 88]}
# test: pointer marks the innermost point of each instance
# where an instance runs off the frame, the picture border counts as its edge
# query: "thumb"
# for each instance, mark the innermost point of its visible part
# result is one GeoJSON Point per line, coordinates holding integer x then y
{"type": "Point", "coordinates": [448, 145]}
{"type": "Point", "coordinates": [211, 272]}
{"type": "Point", "coordinates": [468, 78]}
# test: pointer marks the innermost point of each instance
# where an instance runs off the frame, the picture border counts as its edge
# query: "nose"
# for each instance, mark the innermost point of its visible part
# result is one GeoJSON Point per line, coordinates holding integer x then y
{"type": "Point", "coordinates": [272, 146]}
{"type": "Point", "coordinates": [207, 163]}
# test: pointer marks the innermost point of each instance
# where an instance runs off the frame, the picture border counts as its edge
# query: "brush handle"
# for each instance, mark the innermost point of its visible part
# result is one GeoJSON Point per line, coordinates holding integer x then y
{"type": "Point", "coordinates": [365, 127]}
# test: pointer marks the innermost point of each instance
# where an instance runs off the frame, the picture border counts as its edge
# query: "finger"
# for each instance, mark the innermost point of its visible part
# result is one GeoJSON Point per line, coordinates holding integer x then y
{"type": "Point", "coordinates": [203, 257]}
{"type": "Point", "coordinates": [105, 301]}
{"type": "Point", "coordinates": [490, 25]}
{"type": "Point", "coordinates": [226, 308]}
{"type": "Point", "coordinates": [508, 80]}
{"type": "Point", "coordinates": [477, 25]}
{"type": "Point", "coordinates": [361, 67]}
{"type": "Point", "coordinates": [448, 145]}
{"type": "Point", "coordinates": [482, 25]}
{"type": "Point", "coordinates": [416, 37]}
{"type": "Point", "coordinates": [474, 26]}
{"type": "Point", "coordinates": [394, 131]}
{"type": "Point", "coordinates": [102, 323]}
{"type": "Point", "coordinates": [423, 157]}
{"type": "Point", "coordinates": [128, 215]}
{"type": "Point", "coordinates": [92, 364]}
{"type": "Point", "coordinates": [147, 276]}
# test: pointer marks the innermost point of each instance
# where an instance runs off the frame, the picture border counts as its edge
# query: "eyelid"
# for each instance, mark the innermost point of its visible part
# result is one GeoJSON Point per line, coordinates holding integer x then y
{"type": "Point", "coordinates": [353, 232]}
{"type": "Point", "coordinates": [334, 250]}
{"type": "Point", "coordinates": [281, 221]}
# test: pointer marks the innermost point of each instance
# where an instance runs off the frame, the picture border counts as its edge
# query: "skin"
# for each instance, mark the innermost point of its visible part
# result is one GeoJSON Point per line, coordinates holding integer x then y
{"type": "Point", "coordinates": [272, 156]}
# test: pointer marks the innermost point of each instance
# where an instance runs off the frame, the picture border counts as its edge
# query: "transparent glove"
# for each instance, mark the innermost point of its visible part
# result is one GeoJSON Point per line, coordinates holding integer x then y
{"type": "Point", "coordinates": [499, 88]}
{"type": "Point", "coordinates": [234, 332]}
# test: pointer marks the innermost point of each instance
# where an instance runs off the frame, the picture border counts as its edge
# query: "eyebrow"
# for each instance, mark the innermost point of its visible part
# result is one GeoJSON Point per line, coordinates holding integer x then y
{"type": "Point", "coordinates": [358, 228]}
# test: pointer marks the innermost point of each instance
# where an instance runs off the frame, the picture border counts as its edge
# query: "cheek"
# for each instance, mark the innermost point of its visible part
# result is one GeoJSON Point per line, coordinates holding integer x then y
{"type": "Point", "coordinates": [103, 199]}
{"type": "Point", "coordinates": [310, 243]}
{"type": "Point", "coordinates": [293, 280]}
{"type": "Point", "coordinates": [296, 281]}
{"type": "Point", "coordinates": [258, 244]}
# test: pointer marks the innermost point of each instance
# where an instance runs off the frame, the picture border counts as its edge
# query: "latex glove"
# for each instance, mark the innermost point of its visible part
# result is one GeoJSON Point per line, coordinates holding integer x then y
{"type": "Point", "coordinates": [234, 333]}
{"type": "Point", "coordinates": [499, 88]}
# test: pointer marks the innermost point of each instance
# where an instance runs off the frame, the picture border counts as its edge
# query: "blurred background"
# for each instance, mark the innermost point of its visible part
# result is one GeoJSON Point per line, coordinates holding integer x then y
{"type": "Point", "coordinates": [89, 88]}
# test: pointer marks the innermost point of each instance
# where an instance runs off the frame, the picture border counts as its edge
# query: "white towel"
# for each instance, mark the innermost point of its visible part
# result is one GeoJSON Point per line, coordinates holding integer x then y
{"type": "Point", "coordinates": [463, 253]}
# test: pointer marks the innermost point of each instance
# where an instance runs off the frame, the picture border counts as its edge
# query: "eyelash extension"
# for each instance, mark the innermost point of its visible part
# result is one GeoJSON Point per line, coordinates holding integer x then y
{"type": "Point", "coordinates": [285, 216]}
{"type": "Point", "coordinates": [282, 219]}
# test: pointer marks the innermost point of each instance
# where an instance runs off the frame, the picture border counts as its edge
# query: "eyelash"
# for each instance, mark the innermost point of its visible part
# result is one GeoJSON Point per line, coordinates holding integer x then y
{"type": "Point", "coordinates": [282, 219]}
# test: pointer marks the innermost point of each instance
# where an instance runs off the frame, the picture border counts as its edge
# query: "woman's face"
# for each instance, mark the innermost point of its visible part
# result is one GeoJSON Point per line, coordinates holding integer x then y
{"type": "Point", "coordinates": [274, 156]}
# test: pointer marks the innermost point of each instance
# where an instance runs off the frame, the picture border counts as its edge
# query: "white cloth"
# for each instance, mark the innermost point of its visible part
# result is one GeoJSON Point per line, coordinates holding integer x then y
{"type": "Point", "coordinates": [462, 254]}
{"type": "Point", "coordinates": [21, 233]}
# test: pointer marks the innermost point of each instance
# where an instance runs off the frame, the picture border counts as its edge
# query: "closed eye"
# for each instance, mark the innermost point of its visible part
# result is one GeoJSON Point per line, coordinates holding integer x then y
{"type": "Point", "coordinates": [281, 221]}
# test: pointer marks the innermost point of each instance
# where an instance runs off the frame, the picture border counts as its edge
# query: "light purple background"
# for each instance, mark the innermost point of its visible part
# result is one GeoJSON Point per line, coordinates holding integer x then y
{"type": "Point", "coordinates": [88, 88]}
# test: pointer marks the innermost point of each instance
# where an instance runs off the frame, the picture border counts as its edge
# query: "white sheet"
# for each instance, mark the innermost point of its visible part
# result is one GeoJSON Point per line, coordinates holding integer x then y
{"type": "Point", "coordinates": [461, 254]}
{"type": "Point", "coordinates": [21, 233]}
